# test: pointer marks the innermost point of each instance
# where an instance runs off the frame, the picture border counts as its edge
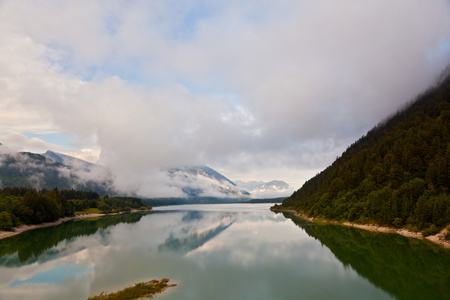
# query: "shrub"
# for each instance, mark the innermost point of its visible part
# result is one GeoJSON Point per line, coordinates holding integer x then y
{"type": "Point", "coordinates": [411, 228]}
{"type": "Point", "coordinates": [5, 221]}
{"type": "Point", "coordinates": [398, 222]}
{"type": "Point", "coordinates": [447, 236]}
{"type": "Point", "coordinates": [430, 231]}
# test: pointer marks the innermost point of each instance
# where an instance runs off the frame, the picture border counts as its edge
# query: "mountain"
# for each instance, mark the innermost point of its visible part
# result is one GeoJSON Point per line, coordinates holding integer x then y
{"type": "Point", "coordinates": [396, 175]}
{"type": "Point", "coordinates": [202, 181]}
{"type": "Point", "coordinates": [203, 171]}
{"type": "Point", "coordinates": [261, 189]}
{"type": "Point", "coordinates": [69, 160]}
{"type": "Point", "coordinates": [29, 169]}
{"type": "Point", "coordinates": [51, 169]}
{"type": "Point", "coordinates": [25, 169]}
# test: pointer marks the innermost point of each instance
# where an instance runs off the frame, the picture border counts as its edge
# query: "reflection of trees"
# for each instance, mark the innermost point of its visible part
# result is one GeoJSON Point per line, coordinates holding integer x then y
{"type": "Point", "coordinates": [192, 234]}
{"type": "Point", "coordinates": [405, 268]}
{"type": "Point", "coordinates": [192, 215]}
{"type": "Point", "coordinates": [27, 247]}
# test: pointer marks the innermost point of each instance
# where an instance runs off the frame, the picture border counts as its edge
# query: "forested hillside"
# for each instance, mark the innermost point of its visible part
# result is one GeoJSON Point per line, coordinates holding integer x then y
{"type": "Point", "coordinates": [396, 175]}
{"type": "Point", "coordinates": [32, 170]}
{"type": "Point", "coordinates": [28, 206]}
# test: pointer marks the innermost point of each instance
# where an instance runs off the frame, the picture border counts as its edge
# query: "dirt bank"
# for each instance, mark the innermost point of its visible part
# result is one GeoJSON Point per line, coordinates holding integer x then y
{"type": "Point", "coordinates": [437, 238]}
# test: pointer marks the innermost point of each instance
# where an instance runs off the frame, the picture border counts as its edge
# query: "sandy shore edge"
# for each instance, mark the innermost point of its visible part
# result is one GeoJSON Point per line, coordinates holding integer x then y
{"type": "Point", "coordinates": [23, 228]}
{"type": "Point", "coordinates": [437, 238]}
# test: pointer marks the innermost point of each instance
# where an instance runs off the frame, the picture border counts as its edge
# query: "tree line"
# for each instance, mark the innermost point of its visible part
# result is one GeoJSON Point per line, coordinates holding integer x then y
{"type": "Point", "coordinates": [20, 205]}
{"type": "Point", "coordinates": [396, 175]}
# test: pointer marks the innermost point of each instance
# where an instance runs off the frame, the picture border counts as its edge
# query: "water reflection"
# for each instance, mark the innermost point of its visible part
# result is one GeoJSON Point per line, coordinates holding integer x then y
{"type": "Point", "coordinates": [406, 268]}
{"type": "Point", "coordinates": [45, 244]}
{"type": "Point", "coordinates": [193, 234]}
{"type": "Point", "coordinates": [54, 276]}
{"type": "Point", "coordinates": [232, 251]}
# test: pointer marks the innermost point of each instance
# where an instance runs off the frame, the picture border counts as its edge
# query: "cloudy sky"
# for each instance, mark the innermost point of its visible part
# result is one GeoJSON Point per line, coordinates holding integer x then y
{"type": "Point", "coordinates": [257, 90]}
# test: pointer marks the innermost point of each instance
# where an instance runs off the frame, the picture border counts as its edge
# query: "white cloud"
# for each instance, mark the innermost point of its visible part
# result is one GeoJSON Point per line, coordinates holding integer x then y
{"type": "Point", "coordinates": [16, 141]}
{"type": "Point", "coordinates": [248, 88]}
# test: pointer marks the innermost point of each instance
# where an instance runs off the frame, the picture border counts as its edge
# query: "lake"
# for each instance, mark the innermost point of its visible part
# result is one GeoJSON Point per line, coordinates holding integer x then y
{"type": "Point", "coordinates": [220, 251]}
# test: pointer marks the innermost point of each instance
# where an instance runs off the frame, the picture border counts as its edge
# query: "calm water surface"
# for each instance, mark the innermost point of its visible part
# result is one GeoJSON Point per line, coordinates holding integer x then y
{"type": "Point", "coordinates": [229, 251]}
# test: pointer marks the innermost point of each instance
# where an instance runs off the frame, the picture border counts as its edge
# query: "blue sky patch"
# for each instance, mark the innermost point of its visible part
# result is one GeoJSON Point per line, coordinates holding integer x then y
{"type": "Point", "coordinates": [52, 138]}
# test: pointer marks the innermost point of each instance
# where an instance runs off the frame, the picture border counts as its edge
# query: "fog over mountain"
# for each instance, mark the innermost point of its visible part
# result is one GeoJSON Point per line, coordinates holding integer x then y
{"type": "Point", "coordinates": [70, 161]}
{"type": "Point", "coordinates": [271, 189]}
{"type": "Point", "coordinates": [54, 169]}
{"type": "Point", "coordinates": [257, 90]}
{"type": "Point", "coordinates": [25, 169]}
{"type": "Point", "coordinates": [202, 181]}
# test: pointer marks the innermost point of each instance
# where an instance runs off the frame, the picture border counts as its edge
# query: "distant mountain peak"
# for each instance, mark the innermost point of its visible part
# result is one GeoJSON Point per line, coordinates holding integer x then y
{"type": "Point", "coordinates": [269, 189]}
{"type": "Point", "coordinates": [202, 180]}
{"type": "Point", "coordinates": [53, 169]}
{"type": "Point", "coordinates": [69, 160]}
{"type": "Point", "coordinates": [18, 169]}
{"type": "Point", "coordinates": [203, 170]}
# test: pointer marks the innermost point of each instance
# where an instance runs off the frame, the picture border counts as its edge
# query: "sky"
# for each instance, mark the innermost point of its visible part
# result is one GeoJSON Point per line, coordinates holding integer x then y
{"type": "Point", "coordinates": [257, 90]}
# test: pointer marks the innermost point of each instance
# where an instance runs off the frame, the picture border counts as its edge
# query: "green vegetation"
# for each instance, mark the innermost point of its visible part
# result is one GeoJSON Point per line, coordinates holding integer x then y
{"type": "Point", "coordinates": [397, 175]}
{"type": "Point", "coordinates": [28, 206]}
{"type": "Point", "coordinates": [5, 221]}
{"type": "Point", "coordinates": [140, 290]}
{"type": "Point", "coordinates": [391, 262]}
{"type": "Point", "coordinates": [93, 210]}
{"type": "Point", "coordinates": [447, 236]}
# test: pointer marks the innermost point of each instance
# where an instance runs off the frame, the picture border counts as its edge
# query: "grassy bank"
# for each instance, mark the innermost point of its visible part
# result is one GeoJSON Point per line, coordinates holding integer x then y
{"type": "Point", "coordinates": [140, 290]}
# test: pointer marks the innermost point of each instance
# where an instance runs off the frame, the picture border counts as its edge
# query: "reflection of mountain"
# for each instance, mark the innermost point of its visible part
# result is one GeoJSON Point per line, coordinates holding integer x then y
{"type": "Point", "coordinates": [28, 247]}
{"type": "Point", "coordinates": [386, 261]}
{"type": "Point", "coordinates": [193, 235]}
{"type": "Point", "coordinates": [191, 242]}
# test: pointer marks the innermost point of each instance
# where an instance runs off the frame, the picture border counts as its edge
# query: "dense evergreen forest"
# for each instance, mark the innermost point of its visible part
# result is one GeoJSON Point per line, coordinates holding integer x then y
{"type": "Point", "coordinates": [396, 175]}
{"type": "Point", "coordinates": [29, 206]}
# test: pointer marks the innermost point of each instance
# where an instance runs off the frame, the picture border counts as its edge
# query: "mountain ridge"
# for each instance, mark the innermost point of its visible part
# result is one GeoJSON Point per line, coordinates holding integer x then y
{"type": "Point", "coordinates": [26, 169]}
{"type": "Point", "coordinates": [398, 174]}
{"type": "Point", "coordinates": [69, 160]}
{"type": "Point", "coordinates": [266, 189]}
{"type": "Point", "coordinates": [52, 169]}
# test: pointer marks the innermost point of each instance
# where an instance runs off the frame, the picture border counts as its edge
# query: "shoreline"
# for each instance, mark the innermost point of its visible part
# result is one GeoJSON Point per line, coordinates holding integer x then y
{"type": "Point", "coordinates": [437, 239]}
{"type": "Point", "coordinates": [138, 291]}
{"type": "Point", "coordinates": [24, 227]}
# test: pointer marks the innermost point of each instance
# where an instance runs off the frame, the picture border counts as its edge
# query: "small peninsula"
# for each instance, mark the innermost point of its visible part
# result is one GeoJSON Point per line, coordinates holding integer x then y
{"type": "Point", "coordinates": [139, 291]}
